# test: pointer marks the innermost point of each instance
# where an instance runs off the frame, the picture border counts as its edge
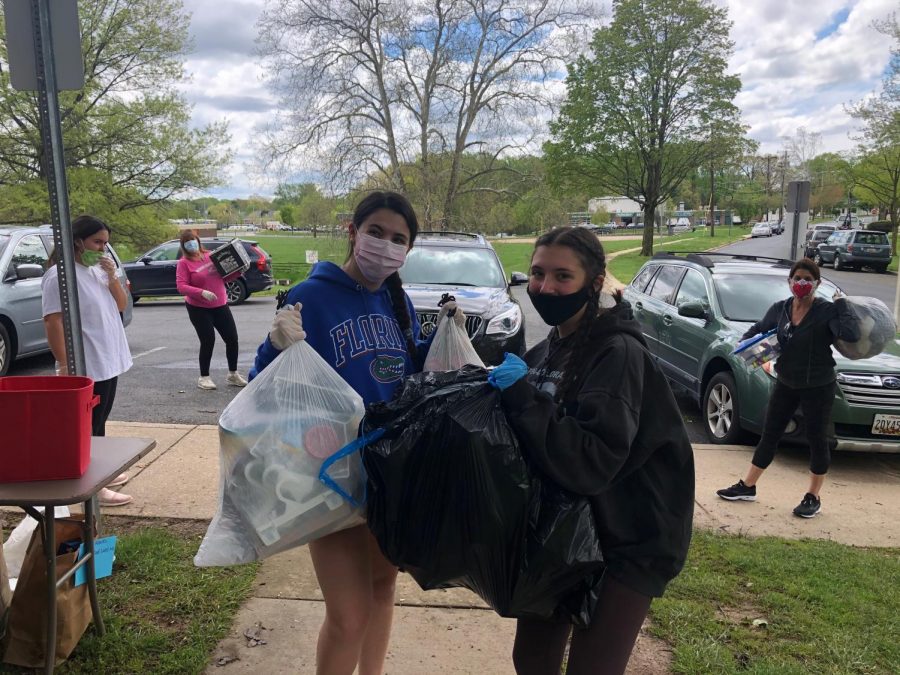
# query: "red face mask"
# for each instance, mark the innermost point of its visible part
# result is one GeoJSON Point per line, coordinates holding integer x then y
{"type": "Point", "coordinates": [802, 288]}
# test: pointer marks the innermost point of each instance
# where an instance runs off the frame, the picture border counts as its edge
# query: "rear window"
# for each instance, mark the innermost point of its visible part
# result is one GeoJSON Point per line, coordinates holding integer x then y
{"type": "Point", "coordinates": [871, 238]}
{"type": "Point", "coordinates": [640, 281]}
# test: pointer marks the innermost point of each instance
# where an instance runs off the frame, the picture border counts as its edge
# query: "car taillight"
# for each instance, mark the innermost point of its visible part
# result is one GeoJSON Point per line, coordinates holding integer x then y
{"type": "Point", "coordinates": [261, 260]}
{"type": "Point", "coordinates": [849, 248]}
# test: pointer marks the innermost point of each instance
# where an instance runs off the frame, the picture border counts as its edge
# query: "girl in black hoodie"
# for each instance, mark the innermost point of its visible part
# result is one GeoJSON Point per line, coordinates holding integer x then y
{"type": "Point", "coordinates": [596, 415]}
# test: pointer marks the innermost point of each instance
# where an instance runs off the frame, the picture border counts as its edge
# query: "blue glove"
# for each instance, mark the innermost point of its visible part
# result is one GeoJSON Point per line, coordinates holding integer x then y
{"type": "Point", "coordinates": [509, 372]}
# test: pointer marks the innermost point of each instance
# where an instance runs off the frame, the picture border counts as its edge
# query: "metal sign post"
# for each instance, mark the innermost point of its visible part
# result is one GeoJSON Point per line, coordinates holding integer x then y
{"type": "Point", "coordinates": [37, 72]}
{"type": "Point", "coordinates": [797, 201]}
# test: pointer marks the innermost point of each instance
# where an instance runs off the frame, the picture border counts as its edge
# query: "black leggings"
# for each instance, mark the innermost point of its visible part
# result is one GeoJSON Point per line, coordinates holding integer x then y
{"type": "Point", "coordinates": [106, 390]}
{"type": "Point", "coordinates": [220, 319]}
{"type": "Point", "coordinates": [601, 649]}
{"type": "Point", "coordinates": [816, 404]}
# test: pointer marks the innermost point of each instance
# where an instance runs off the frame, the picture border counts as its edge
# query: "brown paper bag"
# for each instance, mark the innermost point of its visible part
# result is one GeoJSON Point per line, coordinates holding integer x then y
{"type": "Point", "coordinates": [27, 628]}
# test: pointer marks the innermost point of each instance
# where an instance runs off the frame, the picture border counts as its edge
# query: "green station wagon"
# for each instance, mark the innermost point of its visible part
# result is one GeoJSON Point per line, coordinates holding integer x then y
{"type": "Point", "coordinates": [693, 309]}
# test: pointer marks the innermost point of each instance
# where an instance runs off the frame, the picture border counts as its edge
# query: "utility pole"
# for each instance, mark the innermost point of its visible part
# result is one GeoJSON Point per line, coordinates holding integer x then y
{"type": "Point", "coordinates": [712, 201]}
{"type": "Point", "coordinates": [769, 159]}
{"type": "Point", "coordinates": [783, 173]}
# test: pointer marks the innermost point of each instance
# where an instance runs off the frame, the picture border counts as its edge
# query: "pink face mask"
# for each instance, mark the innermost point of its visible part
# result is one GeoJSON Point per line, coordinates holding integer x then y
{"type": "Point", "coordinates": [378, 259]}
{"type": "Point", "coordinates": [802, 288]}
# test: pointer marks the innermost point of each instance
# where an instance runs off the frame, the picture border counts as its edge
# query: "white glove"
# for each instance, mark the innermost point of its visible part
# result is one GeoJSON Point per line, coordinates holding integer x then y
{"type": "Point", "coordinates": [287, 328]}
{"type": "Point", "coordinates": [209, 296]}
{"type": "Point", "coordinates": [458, 316]}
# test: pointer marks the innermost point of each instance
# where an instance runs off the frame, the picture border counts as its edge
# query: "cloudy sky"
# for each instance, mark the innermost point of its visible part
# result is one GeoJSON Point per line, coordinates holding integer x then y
{"type": "Point", "coordinates": [800, 62]}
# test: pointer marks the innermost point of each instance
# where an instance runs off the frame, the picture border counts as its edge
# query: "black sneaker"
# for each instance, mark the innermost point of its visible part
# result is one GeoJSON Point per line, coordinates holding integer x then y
{"type": "Point", "coordinates": [809, 507]}
{"type": "Point", "coordinates": [738, 492]}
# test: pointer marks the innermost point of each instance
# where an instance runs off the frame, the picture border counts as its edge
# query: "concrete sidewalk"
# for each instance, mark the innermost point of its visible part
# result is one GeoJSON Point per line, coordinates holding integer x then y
{"type": "Point", "coordinates": [452, 631]}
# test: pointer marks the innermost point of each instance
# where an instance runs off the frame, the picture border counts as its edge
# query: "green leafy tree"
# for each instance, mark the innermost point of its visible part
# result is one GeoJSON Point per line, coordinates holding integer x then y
{"type": "Point", "coordinates": [649, 105]}
{"type": "Point", "coordinates": [878, 172]}
{"type": "Point", "coordinates": [129, 120]}
{"type": "Point", "coordinates": [288, 214]}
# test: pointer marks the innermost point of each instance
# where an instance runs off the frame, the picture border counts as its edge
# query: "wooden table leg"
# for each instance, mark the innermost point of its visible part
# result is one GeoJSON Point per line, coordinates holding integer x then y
{"type": "Point", "coordinates": [90, 566]}
{"type": "Point", "coordinates": [49, 523]}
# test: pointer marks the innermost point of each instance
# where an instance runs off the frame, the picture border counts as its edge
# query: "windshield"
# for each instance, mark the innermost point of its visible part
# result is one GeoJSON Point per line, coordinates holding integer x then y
{"type": "Point", "coordinates": [746, 298]}
{"type": "Point", "coordinates": [452, 266]}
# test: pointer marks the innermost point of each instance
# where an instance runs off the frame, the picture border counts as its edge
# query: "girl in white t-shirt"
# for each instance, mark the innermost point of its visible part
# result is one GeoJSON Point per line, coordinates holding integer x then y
{"type": "Point", "coordinates": [101, 299]}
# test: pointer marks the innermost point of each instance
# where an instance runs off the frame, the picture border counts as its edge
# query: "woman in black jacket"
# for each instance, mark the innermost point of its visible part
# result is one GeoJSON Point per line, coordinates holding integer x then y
{"type": "Point", "coordinates": [807, 327]}
{"type": "Point", "coordinates": [595, 414]}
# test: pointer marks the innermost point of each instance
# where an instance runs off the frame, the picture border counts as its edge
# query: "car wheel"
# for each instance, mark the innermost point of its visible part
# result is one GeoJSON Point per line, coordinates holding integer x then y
{"type": "Point", "coordinates": [817, 259]}
{"type": "Point", "coordinates": [720, 409]}
{"type": "Point", "coordinates": [6, 351]}
{"type": "Point", "coordinates": [881, 269]}
{"type": "Point", "coordinates": [838, 265]}
{"type": "Point", "coordinates": [236, 292]}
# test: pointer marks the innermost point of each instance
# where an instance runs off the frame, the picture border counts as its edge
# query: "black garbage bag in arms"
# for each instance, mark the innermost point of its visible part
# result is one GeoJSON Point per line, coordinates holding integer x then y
{"type": "Point", "coordinates": [452, 501]}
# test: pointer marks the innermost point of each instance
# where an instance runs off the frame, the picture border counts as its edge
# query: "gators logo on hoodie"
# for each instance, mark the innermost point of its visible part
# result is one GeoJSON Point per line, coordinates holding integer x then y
{"type": "Point", "coordinates": [388, 368]}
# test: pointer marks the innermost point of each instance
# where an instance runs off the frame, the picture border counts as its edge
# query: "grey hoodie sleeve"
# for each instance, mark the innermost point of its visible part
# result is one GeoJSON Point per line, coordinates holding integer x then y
{"type": "Point", "coordinates": [585, 452]}
{"type": "Point", "coordinates": [844, 324]}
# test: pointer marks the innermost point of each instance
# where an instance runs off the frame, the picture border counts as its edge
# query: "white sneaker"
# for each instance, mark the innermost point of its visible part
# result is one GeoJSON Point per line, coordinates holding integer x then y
{"type": "Point", "coordinates": [235, 379]}
{"type": "Point", "coordinates": [206, 383]}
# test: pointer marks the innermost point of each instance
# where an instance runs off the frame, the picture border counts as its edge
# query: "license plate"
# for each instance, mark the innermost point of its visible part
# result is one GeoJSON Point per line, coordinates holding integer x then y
{"type": "Point", "coordinates": [870, 250]}
{"type": "Point", "coordinates": [886, 425]}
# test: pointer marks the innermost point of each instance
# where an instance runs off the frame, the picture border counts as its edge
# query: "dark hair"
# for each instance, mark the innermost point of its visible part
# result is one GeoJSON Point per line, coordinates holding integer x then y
{"type": "Point", "coordinates": [186, 236]}
{"type": "Point", "coordinates": [593, 259]}
{"type": "Point", "coordinates": [808, 265]}
{"type": "Point", "coordinates": [83, 227]}
{"type": "Point", "coordinates": [396, 202]}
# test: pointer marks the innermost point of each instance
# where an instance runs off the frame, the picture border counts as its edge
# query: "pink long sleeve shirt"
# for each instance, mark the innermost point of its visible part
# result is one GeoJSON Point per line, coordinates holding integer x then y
{"type": "Point", "coordinates": [192, 277]}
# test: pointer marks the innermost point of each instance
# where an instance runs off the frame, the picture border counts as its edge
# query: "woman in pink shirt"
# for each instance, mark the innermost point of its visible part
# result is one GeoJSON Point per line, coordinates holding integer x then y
{"type": "Point", "coordinates": [204, 295]}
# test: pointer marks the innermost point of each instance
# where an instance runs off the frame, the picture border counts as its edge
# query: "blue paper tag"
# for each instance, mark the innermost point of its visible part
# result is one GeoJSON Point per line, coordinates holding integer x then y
{"type": "Point", "coordinates": [104, 554]}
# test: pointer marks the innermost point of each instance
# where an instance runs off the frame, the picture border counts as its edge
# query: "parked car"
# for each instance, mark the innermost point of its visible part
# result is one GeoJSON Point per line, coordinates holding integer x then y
{"type": "Point", "coordinates": [855, 249]}
{"type": "Point", "coordinates": [693, 310]}
{"type": "Point", "coordinates": [466, 266]}
{"type": "Point", "coordinates": [24, 257]}
{"type": "Point", "coordinates": [777, 228]}
{"type": "Point", "coordinates": [154, 272]}
{"type": "Point", "coordinates": [761, 230]}
{"type": "Point", "coordinates": [812, 243]}
{"type": "Point", "coordinates": [821, 227]}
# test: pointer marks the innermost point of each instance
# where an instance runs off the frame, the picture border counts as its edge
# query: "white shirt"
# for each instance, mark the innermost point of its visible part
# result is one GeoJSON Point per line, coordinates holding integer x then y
{"type": "Point", "coordinates": [106, 352]}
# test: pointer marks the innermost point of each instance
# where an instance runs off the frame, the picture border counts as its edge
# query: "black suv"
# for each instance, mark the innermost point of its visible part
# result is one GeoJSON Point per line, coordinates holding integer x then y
{"type": "Point", "coordinates": [154, 272]}
{"type": "Point", "coordinates": [466, 266]}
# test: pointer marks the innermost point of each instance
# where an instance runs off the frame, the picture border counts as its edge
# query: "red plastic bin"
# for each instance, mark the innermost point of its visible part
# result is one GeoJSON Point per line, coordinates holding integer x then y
{"type": "Point", "coordinates": [45, 427]}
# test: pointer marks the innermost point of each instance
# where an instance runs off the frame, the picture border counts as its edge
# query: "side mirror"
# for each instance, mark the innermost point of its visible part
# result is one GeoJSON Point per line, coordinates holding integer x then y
{"type": "Point", "coordinates": [146, 260]}
{"type": "Point", "coordinates": [27, 271]}
{"type": "Point", "coordinates": [693, 309]}
{"type": "Point", "coordinates": [518, 279]}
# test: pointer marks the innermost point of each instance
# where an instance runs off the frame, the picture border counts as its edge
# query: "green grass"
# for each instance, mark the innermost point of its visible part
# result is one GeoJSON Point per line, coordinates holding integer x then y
{"type": "Point", "coordinates": [162, 614]}
{"type": "Point", "coordinates": [830, 608]}
{"type": "Point", "coordinates": [624, 267]}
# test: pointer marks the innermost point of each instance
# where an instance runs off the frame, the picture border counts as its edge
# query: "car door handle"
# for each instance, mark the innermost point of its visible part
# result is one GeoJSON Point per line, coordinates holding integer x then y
{"type": "Point", "coordinates": [667, 320]}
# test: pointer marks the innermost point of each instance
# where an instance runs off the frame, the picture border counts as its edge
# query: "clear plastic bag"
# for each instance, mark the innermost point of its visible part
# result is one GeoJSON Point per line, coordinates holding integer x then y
{"type": "Point", "coordinates": [876, 328]}
{"type": "Point", "coordinates": [451, 348]}
{"type": "Point", "coordinates": [759, 349]}
{"type": "Point", "coordinates": [273, 439]}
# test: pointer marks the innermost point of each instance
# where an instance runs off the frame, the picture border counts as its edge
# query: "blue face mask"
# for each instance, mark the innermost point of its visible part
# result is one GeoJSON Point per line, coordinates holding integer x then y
{"type": "Point", "coordinates": [192, 246]}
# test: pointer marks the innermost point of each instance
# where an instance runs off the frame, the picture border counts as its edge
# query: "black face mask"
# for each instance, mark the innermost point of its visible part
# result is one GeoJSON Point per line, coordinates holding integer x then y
{"type": "Point", "coordinates": [557, 309]}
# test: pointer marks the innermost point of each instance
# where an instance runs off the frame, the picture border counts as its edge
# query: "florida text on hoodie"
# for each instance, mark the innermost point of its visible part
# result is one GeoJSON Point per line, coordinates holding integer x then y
{"type": "Point", "coordinates": [619, 440]}
{"type": "Point", "coordinates": [354, 330]}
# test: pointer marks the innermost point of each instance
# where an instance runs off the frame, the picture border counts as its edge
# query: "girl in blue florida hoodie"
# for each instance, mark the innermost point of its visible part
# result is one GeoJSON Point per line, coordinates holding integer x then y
{"type": "Point", "coordinates": [360, 320]}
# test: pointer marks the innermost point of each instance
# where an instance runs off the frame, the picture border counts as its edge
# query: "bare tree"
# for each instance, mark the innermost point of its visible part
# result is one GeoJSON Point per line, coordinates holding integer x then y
{"type": "Point", "coordinates": [399, 92]}
{"type": "Point", "coordinates": [801, 148]}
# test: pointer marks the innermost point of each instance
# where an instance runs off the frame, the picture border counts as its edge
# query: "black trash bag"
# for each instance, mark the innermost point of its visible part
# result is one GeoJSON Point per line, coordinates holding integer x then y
{"type": "Point", "coordinates": [452, 501]}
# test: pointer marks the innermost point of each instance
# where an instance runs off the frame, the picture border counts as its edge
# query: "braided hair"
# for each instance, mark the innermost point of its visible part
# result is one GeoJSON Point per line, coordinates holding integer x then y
{"type": "Point", "coordinates": [392, 201]}
{"type": "Point", "coordinates": [593, 259]}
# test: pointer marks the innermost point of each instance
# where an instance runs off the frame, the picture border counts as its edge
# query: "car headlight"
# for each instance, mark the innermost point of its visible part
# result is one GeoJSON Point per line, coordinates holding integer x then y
{"type": "Point", "coordinates": [506, 323]}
